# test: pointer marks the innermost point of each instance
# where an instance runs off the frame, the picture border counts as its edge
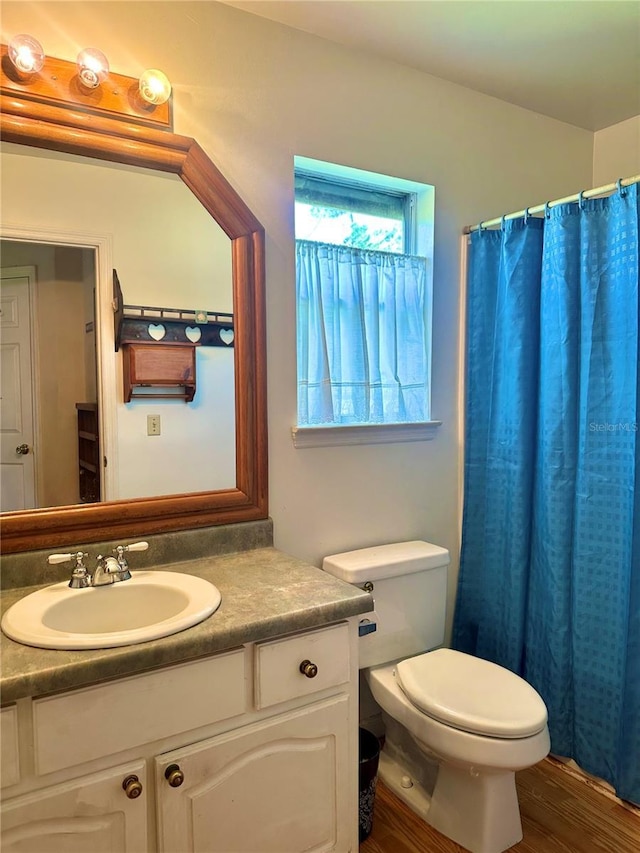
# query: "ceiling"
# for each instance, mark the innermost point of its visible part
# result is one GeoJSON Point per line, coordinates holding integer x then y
{"type": "Point", "coordinates": [574, 60]}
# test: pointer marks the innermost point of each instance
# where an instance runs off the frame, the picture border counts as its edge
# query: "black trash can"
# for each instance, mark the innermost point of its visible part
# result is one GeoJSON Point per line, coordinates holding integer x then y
{"type": "Point", "coordinates": [369, 757]}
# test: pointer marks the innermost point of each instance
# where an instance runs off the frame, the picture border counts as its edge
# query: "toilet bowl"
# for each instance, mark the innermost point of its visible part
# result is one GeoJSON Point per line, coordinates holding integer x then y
{"type": "Point", "coordinates": [477, 721]}
{"type": "Point", "coordinates": [474, 801]}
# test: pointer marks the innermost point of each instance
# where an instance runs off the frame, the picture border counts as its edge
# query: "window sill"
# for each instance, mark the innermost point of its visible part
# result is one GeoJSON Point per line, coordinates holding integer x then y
{"type": "Point", "coordinates": [332, 436]}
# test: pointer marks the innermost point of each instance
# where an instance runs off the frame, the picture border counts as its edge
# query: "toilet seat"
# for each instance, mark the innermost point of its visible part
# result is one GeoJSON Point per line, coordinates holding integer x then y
{"type": "Point", "coordinates": [471, 694]}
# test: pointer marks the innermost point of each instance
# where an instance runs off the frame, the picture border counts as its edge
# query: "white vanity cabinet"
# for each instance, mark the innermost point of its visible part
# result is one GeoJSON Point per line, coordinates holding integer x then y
{"type": "Point", "coordinates": [249, 750]}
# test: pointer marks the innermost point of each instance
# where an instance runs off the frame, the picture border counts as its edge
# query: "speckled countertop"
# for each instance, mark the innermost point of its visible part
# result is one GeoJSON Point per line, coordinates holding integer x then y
{"type": "Point", "coordinates": [265, 593]}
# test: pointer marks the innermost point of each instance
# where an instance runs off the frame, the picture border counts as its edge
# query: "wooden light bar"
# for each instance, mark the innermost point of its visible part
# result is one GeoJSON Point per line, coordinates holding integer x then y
{"type": "Point", "coordinates": [58, 84]}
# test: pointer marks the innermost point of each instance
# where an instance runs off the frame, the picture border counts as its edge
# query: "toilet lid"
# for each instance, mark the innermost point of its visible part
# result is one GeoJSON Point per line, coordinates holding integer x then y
{"type": "Point", "coordinates": [472, 694]}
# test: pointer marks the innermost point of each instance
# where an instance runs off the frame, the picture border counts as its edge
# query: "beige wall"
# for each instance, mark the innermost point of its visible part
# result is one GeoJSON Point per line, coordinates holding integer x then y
{"type": "Point", "coordinates": [168, 253]}
{"type": "Point", "coordinates": [616, 152]}
{"type": "Point", "coordinates": [254, 94]}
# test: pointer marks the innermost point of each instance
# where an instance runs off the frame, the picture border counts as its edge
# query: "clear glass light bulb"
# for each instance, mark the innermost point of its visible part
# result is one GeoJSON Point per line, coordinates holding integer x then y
{"type": "Point", "coordinates": [155, 87]}
{"type": "Point", "coordinates": [93, 67]}
{"type": "Point", "coordinates": [26, 54]}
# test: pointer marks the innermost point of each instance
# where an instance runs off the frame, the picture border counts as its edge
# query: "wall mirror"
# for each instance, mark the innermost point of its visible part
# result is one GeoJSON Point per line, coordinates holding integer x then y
{"type": "Point", "coordinates": [131, 151]}
{"type": "Point", "coordinates": [170, 254]}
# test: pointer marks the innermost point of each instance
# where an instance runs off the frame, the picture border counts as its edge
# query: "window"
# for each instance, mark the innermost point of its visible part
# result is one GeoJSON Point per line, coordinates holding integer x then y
{"type": "Point", "coordinates": [363, 278]}
{"type": "Point", "coordinates": [356, 215]}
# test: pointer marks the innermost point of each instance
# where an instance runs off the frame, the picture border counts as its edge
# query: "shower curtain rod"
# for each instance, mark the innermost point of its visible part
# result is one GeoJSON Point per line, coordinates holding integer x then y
{"type": "Point", "coordinates": [607, 188]}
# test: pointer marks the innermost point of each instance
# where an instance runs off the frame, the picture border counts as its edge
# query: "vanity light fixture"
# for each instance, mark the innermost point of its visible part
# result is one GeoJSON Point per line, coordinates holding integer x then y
{"type": "Point", "coordinates": [26, 54]}
{"type": "Point", "coordinates": [93, 67]}
{"type": "Point", "coordinates": [87, 85]}
{"type": "Point", "coordinates": [154, 87]}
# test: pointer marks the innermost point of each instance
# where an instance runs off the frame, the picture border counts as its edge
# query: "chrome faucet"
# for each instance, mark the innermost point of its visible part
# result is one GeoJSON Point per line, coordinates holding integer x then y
{"type": "Point", "coordinates": [108, 570]}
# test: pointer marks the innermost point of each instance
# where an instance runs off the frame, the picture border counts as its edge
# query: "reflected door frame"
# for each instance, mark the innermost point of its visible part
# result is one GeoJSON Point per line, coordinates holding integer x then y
{"type": "Point", "coordinates": [107, 375]}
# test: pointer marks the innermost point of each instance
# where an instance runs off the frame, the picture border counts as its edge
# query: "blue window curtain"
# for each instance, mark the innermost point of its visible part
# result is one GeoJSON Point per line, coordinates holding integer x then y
{"type": "Point", "coordinates": [363, 336]}
{"type": "Point", "coordinates": [549, 581]}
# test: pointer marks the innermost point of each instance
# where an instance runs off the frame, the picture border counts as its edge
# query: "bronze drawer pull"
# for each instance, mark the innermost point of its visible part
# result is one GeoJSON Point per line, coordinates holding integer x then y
{"type": "Point", "coordinates": [174, 776]}
{"type": "Point", "coordinates": [132, 787]}
{"type": "Point", "coordinates": [309, 669]}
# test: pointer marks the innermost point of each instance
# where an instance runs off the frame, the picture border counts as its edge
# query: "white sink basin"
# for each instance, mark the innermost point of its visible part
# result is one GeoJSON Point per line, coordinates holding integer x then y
{"type": "Point", "coordinates": [148, 606]}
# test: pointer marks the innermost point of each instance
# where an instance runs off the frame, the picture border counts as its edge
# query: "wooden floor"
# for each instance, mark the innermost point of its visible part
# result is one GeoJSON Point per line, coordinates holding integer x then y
{"type": "Point", "coordinates": [561, 813]}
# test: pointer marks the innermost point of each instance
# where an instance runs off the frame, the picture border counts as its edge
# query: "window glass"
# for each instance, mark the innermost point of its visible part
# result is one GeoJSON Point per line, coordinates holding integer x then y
{"type": "Point", "coordinates": [349, 214]}
{"type": "Point", "coordinates": [348, 228]}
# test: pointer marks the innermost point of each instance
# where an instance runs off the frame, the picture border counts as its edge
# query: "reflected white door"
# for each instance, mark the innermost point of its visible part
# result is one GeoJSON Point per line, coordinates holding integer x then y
{"type": "Point", "coordinates": [17, 473]}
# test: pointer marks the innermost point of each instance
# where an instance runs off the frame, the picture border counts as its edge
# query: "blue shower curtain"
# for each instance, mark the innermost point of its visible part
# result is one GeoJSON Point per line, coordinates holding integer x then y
{"type": "Point", "coordinates": [549, 580]}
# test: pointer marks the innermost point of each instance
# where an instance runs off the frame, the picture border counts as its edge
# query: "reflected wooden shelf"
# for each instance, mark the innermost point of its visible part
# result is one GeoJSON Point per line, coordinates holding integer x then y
{"type": "Point", "coordinates": [88, 453]}
{"type": "Point", "coordinates": [151, 366]}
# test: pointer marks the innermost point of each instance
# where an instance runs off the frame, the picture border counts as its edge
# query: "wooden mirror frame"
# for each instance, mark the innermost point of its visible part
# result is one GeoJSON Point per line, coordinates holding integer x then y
{"type": "Point", "coordinates": [67, 129]}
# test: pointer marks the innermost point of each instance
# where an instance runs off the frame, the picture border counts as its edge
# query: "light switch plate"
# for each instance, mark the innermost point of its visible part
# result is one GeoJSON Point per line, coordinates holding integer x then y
{"type": "Point", "coordinates": [153, 424]}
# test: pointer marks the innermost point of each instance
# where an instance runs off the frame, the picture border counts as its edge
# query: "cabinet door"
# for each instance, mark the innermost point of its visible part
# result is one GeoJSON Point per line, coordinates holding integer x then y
{"type": "Point", "coordinates": [91, 813]}
{"type": "Point", "coordinates": [279, 786]}
{"type": "Point", "coordinates": [9, 760]}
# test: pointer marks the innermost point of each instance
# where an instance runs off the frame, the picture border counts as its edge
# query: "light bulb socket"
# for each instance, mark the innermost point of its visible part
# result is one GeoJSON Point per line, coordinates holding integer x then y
{"type": "Point", "coordinates": [154, 87]}
{"type": "Point", "coordinates": [26, 54]}
{"type": "Point", "coordinates": [93, 67]}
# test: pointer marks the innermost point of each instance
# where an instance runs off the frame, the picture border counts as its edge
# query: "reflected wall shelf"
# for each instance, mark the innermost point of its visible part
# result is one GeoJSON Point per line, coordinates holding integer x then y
{"type": "Point", "coordinates": [148, 324]}
{"type": "Point", "coordinates": [154, 370]}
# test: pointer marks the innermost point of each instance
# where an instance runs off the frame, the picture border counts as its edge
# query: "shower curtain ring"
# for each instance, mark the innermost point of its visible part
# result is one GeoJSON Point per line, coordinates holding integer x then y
{"type": "Point", "coordinates": [547, 210]}
{"type": "Point", "coordinates": [581, 199]}
{"type": "Point", "coordinates": [619, 186]}
{"type": "Point", "coordinates": [527, 215]}
{"type": "Point", "coordinates": [503, 219]}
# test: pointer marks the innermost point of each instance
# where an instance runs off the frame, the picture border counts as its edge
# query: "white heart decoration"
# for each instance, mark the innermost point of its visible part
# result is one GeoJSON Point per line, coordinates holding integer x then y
{"type": "Point", "coordinates": [226, 336]}
{"type": "Point", "coordinates": [157, 331]}
{"type": "Point", "coordinates": [193, 333]}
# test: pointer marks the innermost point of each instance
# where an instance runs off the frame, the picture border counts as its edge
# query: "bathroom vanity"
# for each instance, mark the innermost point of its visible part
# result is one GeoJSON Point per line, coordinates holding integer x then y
{"type": "Point", "coordinates": [239, 734]}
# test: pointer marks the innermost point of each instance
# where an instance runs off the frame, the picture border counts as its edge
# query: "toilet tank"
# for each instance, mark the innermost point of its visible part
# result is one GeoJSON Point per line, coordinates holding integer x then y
{"type": "Point", "coordinates": [410, 593]}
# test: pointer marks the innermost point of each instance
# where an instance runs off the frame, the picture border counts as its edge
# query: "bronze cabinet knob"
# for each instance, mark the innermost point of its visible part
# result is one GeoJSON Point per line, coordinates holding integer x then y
{"type": "Point", "coordinates": [174, 776]}
{"type": "Point", "coordinates": [132, 787]}
{"type": "Point", "coordinates": [309, 669]}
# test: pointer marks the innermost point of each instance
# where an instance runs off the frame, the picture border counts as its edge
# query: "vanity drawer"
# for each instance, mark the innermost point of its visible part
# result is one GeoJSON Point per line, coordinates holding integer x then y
{"type": "Point", "coordinates": [98, 721]}
{"type": "Point", "coordinates": [278, 675]}
{"type": "Point", "coordinates": [10, 765]}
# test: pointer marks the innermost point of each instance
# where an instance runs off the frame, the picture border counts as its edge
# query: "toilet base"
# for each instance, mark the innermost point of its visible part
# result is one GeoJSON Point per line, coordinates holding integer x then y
{"type": "Point", "coordinates": [392, 774]}
{"type": "Point", "coordinates": [481, 813]}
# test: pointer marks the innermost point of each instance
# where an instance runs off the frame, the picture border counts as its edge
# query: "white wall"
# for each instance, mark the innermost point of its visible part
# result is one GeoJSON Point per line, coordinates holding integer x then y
{"type": "Point", "coordinates": [616, 152]}
{"type": "Point", "coordinates": [254, 94]}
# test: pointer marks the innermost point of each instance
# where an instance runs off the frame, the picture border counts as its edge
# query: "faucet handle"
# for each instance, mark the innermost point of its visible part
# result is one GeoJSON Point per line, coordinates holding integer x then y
{"type": "Point", "coordinates": [80, 577]}
{"type": "Point", "coordinates": [137, 546]}
{"type": "Point", "coordinates": [52, 559]}
{"type": "Point", "coordinates": [124, 572]}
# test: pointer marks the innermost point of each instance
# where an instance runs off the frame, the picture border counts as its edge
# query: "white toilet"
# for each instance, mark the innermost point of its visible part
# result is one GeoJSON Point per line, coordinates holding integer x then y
{"type": "Point", "coordinates": [474, 723]}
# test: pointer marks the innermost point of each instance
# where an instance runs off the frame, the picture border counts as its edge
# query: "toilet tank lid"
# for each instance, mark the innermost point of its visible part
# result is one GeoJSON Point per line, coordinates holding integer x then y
{"type": "Point", "coordinates": [385, 561]}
